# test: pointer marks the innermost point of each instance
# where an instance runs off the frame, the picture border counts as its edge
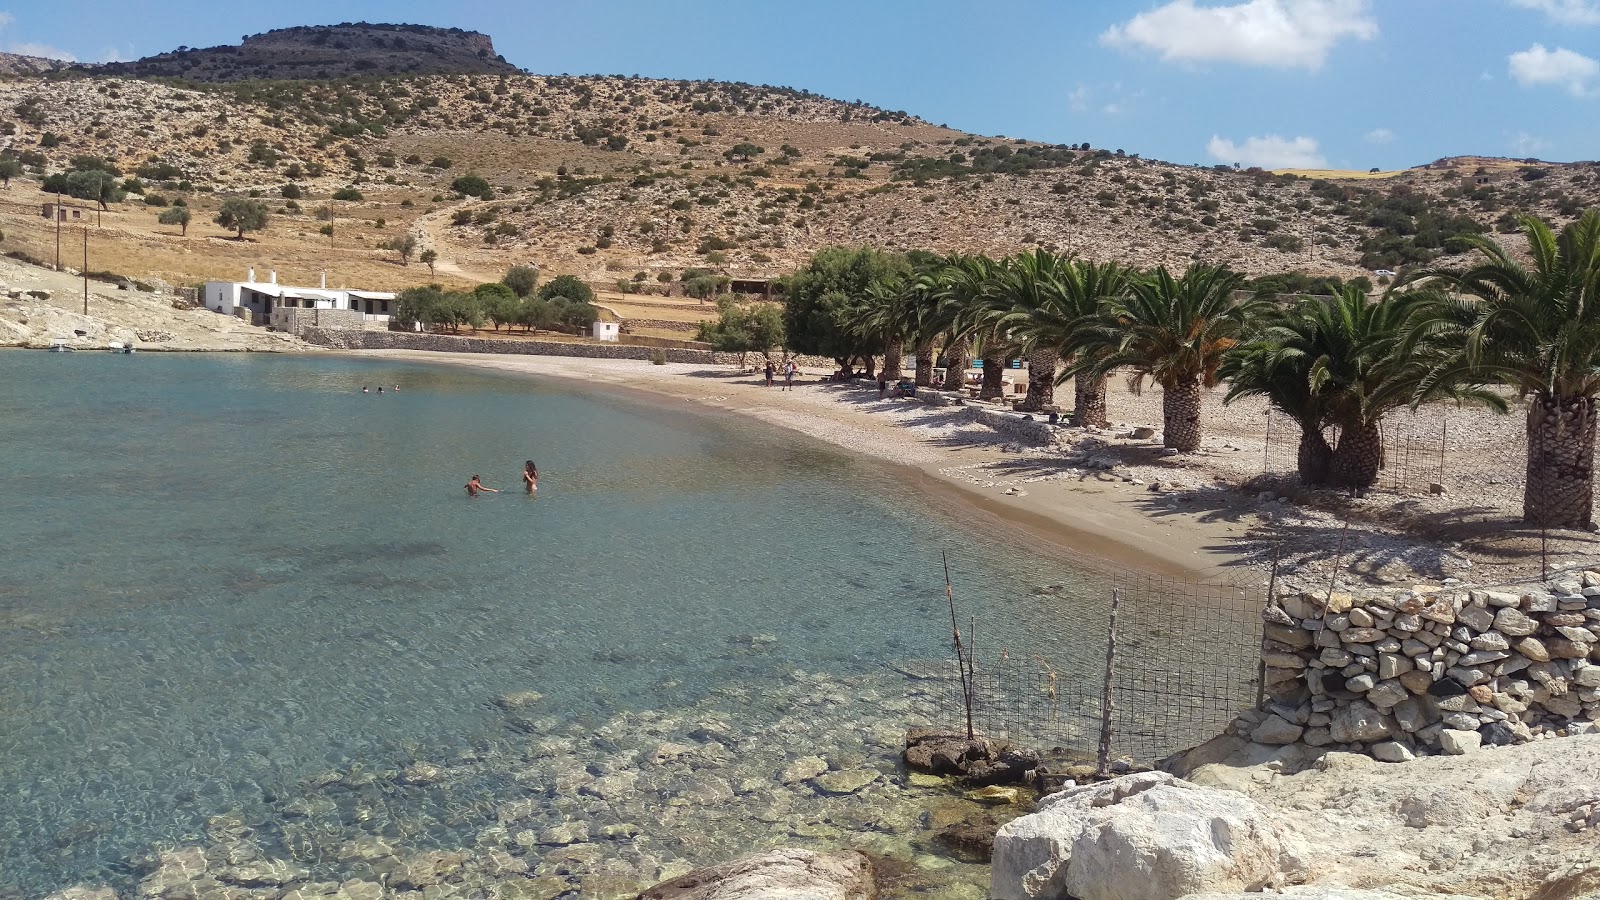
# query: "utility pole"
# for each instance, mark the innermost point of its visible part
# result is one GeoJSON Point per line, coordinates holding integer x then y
{"type": "Point", "coordinates": [86, 268]}
{"type": "Point", "coordinates": [59, 212]}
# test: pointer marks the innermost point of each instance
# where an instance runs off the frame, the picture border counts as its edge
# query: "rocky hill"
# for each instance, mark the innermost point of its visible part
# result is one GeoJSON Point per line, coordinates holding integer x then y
{"type": "Point", "coordinates": [326, 51]}
{"type": "Point", "coordinates": [631, 179]}
{"type": "Point", "coordinates": [17, 64]}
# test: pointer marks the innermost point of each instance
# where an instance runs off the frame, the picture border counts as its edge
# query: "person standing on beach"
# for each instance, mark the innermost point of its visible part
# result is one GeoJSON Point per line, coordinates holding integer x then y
{"type": "Point", "coordinates": [790, 369]}
{"type": "Point", "coordinates": [530, 476]}
{"type": "Point", "coordinates": [474, 486]}
{"type": "Point", "coordinates": [771, 370]}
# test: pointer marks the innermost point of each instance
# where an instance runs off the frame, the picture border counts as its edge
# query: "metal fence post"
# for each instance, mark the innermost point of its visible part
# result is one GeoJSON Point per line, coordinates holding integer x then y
{"type": "Point", "coordinates": [1106, 702]}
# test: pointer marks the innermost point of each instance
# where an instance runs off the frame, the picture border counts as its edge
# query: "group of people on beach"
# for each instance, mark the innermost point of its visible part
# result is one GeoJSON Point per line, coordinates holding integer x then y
{"type": "Point", "coordinates": [530, 481]}
{"type": "Point", "coordinates": [790, 369]}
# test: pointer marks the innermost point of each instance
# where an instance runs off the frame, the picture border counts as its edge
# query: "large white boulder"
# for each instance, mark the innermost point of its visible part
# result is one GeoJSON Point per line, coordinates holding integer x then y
{"type": "Point", "coordinates": [1141, 837]}
{"type": "Point", "coordinates": [786, 874]}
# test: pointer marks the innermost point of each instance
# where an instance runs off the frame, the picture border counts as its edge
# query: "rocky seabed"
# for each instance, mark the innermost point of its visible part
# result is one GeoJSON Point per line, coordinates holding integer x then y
{"type": "Point", "coordinates": [608, 811]}
{"type": "Point", "coordinates": [1431, 669]}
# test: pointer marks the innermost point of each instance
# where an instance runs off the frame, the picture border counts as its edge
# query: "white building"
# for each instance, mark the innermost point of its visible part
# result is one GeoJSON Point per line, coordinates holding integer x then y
{"type": "Point", "coordinates": [605, 331]}
{"type": "Point", "coordinates": [256, 300]}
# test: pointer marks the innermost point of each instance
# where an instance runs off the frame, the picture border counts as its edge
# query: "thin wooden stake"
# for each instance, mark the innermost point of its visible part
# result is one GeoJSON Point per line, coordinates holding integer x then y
{"type": "Point", "coordinates": [1106, 700]}
{"type": "Point", "coordinates": [962, 663]}
{"type": "Point", "coordinates": [1261, 663]}
{"type": "Point", "coordinates": [1339, 559]}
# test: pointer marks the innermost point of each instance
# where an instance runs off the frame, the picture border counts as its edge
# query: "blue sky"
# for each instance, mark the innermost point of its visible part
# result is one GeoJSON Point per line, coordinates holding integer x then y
{"type": "Point", "coordinates": [1341, 83]}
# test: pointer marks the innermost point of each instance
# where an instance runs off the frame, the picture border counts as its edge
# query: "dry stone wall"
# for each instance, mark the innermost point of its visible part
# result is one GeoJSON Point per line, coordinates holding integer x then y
{"type": "Point", "coordinates": [1430, 669]}
{"type": "Point", "coordinates": [350, 339]}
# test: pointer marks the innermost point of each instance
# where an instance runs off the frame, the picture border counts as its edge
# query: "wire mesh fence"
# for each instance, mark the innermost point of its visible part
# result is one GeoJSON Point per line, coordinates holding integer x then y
{"type": "Point", "coordinates": [1160, 665]}
{"type": "Point", "coordinates": [1462, 454]}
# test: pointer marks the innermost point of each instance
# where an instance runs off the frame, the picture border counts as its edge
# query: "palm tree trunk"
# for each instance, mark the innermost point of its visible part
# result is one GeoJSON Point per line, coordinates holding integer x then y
{"type": "Point", "coordinates": [1180, 415]}
{"type": "Point", "coordinates": [925, 364]}
{"type": "Point", "coordinates": [1560, 487]}
{"type": "Point", "coordinates": [892, 353]}
{"type": "Point", "coordinates": [1041, 380]}
{"type": "Point", "coordinates": [1315, 457]}
{"type": "Point", "coordinates": [1358, 457]}
{"type": "Point", "coordinates": [957, 356]}
{"type": "Point", "coordinates": [994, 370]}
{"type": "Point", "coordinates": [1089, 401]}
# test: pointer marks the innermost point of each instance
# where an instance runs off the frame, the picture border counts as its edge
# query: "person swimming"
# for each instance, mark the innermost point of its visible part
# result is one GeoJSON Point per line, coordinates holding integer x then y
{"type": "Point", "coordinates": [530, 476]}
{"type": "Point", "coordinates": [364, 389]}
{"type": "Point", "coordinates": [474, 486]}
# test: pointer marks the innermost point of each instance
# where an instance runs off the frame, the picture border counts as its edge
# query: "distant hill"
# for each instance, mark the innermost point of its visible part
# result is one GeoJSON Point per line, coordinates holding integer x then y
{"type": "Point", "coordinates": [324, 52]}
{"type": "Point", "coordinates": [17, 64]}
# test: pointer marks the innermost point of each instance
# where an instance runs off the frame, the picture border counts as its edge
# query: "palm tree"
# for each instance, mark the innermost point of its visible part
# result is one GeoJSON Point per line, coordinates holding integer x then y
{"type": "Point", "coordinates": [1537, 328]}
{"type": "Point", "coordinates": [880, 317]}
{"type": "Point", "coordinates": [1174, 331]}
{"type": "Point", "coordinates": [1068, 295]}
{"type": "Point", "coordinates": [920, 321]}
{"type": "Point", "coordinates": [1021, 285]}
{"type": "Point", "coordinates": [962, 285]}
{"type": "Point", "coordinates": [1339, 362]}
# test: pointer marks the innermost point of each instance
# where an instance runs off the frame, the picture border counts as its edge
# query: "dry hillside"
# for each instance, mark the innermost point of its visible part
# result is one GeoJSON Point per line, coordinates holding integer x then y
{"type": "Point", "coordinates": [626, 179]}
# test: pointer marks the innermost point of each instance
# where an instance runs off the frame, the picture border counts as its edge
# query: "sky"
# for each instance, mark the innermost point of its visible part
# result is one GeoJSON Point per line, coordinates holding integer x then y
{"type": "Point", "coordinates": [1345, 84]}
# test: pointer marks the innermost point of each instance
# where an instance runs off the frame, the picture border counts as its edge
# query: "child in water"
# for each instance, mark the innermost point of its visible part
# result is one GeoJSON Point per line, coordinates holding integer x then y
{"type": "Point", "coordinates": [530, 476]}
{"type": "Point", "coordinates": [474, 486]}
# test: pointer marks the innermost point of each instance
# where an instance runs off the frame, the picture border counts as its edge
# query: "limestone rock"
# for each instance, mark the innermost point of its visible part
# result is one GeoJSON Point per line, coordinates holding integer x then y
{"type": "Point", "coordinates": [1276, 730]}
{"type": "Point", "coordinates": [776, 875]}
{"type": "Point", "coordinates": [1179, 837]}
{"type": "Point", "coordinates": [1359, 722]}
{"type": "Point", "coordinates": [1392, 751]}
{"type": "Point", "coordinates": [846, 782]}
{"type": "Point", "coordinates": [803, 769]}
{"type": "Point", "coordinates": [1512, 622]}
{"type": "Point", "coordinates": [1459, 743]}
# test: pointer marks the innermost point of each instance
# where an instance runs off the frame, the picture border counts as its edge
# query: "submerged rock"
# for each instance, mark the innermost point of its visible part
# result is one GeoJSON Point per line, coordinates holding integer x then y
{"type": "Point", "coordinates": [847, 782]}
{"type": "Point", "coordinates": [777, 875]}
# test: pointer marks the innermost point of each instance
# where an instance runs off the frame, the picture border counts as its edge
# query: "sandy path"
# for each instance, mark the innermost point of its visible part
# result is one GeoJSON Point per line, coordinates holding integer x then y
{"type": "Point", "coordinates": [1105, 522]}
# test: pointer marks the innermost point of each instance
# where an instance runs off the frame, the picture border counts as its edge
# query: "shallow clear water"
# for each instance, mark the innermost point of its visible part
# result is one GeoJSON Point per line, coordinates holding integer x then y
{"type": "Point", "coordinates": [225, 574]}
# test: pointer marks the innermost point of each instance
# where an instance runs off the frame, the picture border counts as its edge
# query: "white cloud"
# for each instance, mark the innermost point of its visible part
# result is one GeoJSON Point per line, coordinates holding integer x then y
{"type": "Point", "coordinates": [31, 49]}
{"type": "Point", "coordinates": [1560, 66]}
{"type": "Point", "coordinates": [1380, 136]}
{"type": "Point", "coordinates": [1278, 33]}
{"type": "Point", "coordinates": [1079, 99]}
{"type": "Point", "coordinates": [1525, 144]}
{"type": "Point", "coordinates": [1567, 12]}
{"type": "Point", "coordinates": [112, 54]}
{"type": "Point", "coordinates": [1268, 152]}
{"type": "Point", "coordinates": [44, 50]}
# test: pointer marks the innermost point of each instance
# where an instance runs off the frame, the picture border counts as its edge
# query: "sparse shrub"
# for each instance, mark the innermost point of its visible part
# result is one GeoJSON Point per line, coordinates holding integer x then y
{"type": "Point", "coordinates": [347, 193]}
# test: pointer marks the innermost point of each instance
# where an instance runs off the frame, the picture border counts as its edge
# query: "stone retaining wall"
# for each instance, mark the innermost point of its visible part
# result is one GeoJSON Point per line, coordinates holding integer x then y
{"type": "Point", "coordinates": [1036, 430]}
{"type": "Point", "coordinates": [1431, 669]}
{"type": "Point", "coordinates": [347, 339]}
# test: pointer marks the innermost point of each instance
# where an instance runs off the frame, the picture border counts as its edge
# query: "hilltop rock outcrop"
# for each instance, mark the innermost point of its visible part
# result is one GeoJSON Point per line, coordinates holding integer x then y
{"type": "Point", "coordinates": [327, 51]}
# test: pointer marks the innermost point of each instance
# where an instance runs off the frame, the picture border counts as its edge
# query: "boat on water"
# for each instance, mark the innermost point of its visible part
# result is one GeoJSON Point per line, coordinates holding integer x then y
{"type": "Point", "coordinates": [59, 345]}
{"type": "Point", "coordinates": [120, 348]}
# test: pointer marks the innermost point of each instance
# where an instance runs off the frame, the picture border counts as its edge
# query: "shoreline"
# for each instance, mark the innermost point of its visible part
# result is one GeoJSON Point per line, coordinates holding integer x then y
{"type": "Point", "coordinates": [1103, 527]}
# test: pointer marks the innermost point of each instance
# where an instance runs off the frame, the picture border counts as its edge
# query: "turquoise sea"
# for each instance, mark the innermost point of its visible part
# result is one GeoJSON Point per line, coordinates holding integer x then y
{"type": "Point", "coordinates": [227, 576]}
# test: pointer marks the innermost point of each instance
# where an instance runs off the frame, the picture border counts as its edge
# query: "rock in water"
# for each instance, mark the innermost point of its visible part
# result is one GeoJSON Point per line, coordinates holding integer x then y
{"type": "Point", "coordinates": [995, 795]}
{"type": "Point", "coordinates": [1179, 837]}
{"type": "Point", "coordinates": [803, 769]}
{"type": "Point", "coordinates": [978, 762]}
{"type": "Point", "coordinates": [846, 782]}
{"type": "Point", "coordinates": [776, 875]}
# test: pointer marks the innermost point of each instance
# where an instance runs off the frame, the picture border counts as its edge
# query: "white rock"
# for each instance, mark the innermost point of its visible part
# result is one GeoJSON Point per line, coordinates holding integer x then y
{"type": "Point", "coordinates": [1459, 743]}
{"type": "Point", "coordinates": [1276, 730]}
{"type": "Point", "coordinates": [1392, 751]}
{"type": "Point", "coordinates": [1178, 837]}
